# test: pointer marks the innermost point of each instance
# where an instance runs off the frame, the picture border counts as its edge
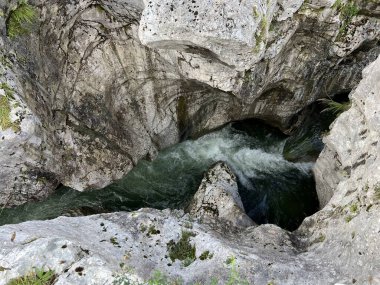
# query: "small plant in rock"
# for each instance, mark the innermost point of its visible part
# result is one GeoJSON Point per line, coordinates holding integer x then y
{"type": "Point", "coordinates": [235, 278]}
{"type": "Point", "coordinates": [20, 19]}
{"type": "Point", "coordinates": [158, 278]}
{"type": "Point", "coordinates": [38, 277]}
{"type": "Point", "coordinates": [5, 109]}
{"type": "Point", "coordinates": [347, 12]}
{"type": "Point", "coordinates": [161, 279]}
{"type": "Point", "coordinates": [377, 192]}
{"type": "Point", "coordinates": [152, 231]}
{"type": "Point", "coordinates": [206, 255]}
{"type": "Point", "coordinates": [335, 107]}
{"type": "Point", "coordinates": [348, 218]}
{"type": "Point", "coordinates": [182, 250]}
{"type": "Point", "coordinates": [354, 208]}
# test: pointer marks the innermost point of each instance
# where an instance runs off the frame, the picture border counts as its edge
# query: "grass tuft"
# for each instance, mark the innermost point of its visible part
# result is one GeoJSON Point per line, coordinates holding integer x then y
{"type": "Point", "coordinates": [5, 109]}
{"type": "Point", "coordinates": [346, 13]}
{"type": "Point", "coordinates": [20, 19]}
{"type": "Point", "coordinates": [38, 277]}
{"type": "Point", "coordinates": [335, 107]}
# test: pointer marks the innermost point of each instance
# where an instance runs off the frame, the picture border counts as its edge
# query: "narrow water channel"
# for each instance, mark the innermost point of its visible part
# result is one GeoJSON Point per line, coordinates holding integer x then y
{"type": "Point", "coordinates": [273, 189]}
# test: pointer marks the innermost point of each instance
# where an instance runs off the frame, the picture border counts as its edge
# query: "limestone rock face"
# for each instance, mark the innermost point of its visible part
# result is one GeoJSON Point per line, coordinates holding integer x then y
{"type": "Point", "coordinates": [352, 144]}
{"type": "Point", "coordinates": [131, 246]}
{"type": "Point", "coordinates": [108, 83]}
{"type": "Point", "coordinates": [218, 199]}
{"type": "Point", "coordinates": [347, 176]}
{"type": "Point", "coordinates": [24, 175]}
{"type": "Point", "coordinates": [237, 27]}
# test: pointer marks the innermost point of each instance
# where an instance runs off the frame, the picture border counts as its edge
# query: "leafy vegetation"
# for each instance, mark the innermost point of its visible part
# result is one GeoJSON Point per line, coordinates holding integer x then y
{"type": "Point", "coordinates": [354, 208]}
{"type": "Point", "coordinates": [261, 33]}
{"type": "Point", "coordinates": [182, 250]}
{"type": "Point", "coordinates": [234, 278]}
{"type": "Point", "coordinates": [205, 255]}
{"type": "Point", "coordinates": [38, 277]}
{"type": "Point", "coordinates": [5, 109]}
{"type": "Point", "coordinates": [335, 107]}
{"type": "Point", "coordinates": [20, 19]}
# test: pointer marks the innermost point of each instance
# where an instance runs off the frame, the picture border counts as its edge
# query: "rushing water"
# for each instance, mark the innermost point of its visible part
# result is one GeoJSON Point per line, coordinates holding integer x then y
{"type": "Point", "coordinates": [273, 189]}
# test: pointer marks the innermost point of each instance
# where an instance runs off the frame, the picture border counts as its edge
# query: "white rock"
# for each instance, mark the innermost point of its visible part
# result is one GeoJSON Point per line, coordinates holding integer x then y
{"type": "Point", "coordinates": [218, 198]}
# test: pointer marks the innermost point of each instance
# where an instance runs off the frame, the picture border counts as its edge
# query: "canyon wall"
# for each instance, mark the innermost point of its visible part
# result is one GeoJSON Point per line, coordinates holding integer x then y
{"type": "Point", "coordinates": [99, 85]}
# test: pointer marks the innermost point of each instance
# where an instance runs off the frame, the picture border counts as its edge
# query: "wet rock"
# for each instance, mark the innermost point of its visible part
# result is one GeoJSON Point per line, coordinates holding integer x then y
{"type": "Point", "coordinates": [218, 199]}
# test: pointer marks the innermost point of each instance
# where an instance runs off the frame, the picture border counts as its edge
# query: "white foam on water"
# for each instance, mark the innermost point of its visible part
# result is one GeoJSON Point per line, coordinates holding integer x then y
{"type": "Point", "coordinates": [239, 151]}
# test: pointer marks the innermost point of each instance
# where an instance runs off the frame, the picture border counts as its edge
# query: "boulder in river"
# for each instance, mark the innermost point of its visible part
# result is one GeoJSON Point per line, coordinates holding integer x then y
{"type": "Point", "coordinates": [218, 198]}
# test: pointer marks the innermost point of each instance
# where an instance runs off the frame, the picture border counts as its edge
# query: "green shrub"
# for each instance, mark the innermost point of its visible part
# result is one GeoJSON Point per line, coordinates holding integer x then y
{"type": "Point", "coordinates": [20, 19]}
{"type": "Point", "coordinates": [38, 277]}
{"type": "Point", "coordinates": [182, 250]}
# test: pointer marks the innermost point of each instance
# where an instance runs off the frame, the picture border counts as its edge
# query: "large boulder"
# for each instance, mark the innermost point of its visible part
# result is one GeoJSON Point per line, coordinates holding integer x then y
{"type": "Point", "coordinates": [218, 199]}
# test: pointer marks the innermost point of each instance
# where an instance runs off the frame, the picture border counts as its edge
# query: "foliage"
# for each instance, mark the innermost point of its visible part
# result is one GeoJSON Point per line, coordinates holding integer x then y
{"type": "Point", "coordinates": [159, 278]}
{"type": "Point", "coordinates": [347, 12]}
{"type": "Point", "coordinates": [354, 208]}
{"type": "Point", "coordinates": [20, 19]}
{"type": "Point", "coordinates": [377, 192]}
{"type": "Point", "coordinates": [5, 109]}
{"type": "Point", "coordinates": [38, 277]}
{"type": "Point", "coordinates": [205, 255]}
{"type": "Point", "coordinates": [261, 33]}
{"type": "Point", "coordinates": [182, 250]}
{"type": "Point", "coordinates": [335, 107]}
{"type": "Point", "coordinates": [234, 278]}
{"type": "Point", "coordinates": [348, 218]}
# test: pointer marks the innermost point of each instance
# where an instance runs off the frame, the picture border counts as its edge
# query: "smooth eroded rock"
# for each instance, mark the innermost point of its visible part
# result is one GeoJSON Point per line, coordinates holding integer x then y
{"type": "Point", "coordinates": [218, 198]}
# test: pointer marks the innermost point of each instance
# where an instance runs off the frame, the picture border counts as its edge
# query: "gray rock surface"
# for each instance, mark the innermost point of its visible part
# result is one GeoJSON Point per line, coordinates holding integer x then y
{"type": "Point", "coordinates": [24, 174]}
{"type": "Point", "coordinates": [352, 145]}
{"type": "Point", "coordinates": [102, 100]}
{"type": "Point", "coordinates": [347, 180]}
{"type": "Point", "coordinates": [134, 245]}
{"type": "Point", "coordinates": [337, 245]}
{"type": "Point", "coordinates": [218, 200]}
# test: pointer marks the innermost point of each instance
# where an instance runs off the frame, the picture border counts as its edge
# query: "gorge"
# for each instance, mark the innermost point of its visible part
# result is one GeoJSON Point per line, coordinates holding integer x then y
{"type": "Point", "coordinates": [114, 113]}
